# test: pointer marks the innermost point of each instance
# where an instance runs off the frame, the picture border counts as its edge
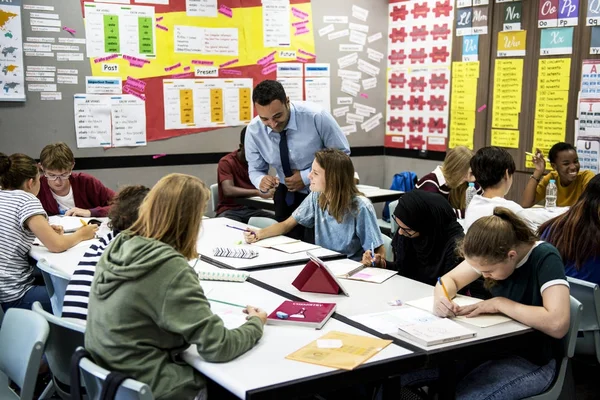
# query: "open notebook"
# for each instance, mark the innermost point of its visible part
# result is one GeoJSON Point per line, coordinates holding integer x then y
{"type": "Point", "coordinates": [349, 269]}
{"type": "Point", "coordinates": [69, 224]}
{"type": "Point", "coordinates": [482, 321]}
{"type": "Point", "coordinates": [285, 244]}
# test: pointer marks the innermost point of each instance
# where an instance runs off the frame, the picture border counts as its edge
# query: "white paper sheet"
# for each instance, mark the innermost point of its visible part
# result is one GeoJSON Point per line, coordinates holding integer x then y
{"type": "Point", "coordinates": [318, 90]}
{"type": "Point", "coordinates": [102, 85]}
{"type": "Point", "coordinates": [128, 121]}
{"type": "Point", "coordinates": [201, 8]}
{"type": "Point", "coordinates": [197, 40]}
{"type": "Point", "coordinates": [276, 23]}
{"type": "Point", "coordinates": [92, 120]}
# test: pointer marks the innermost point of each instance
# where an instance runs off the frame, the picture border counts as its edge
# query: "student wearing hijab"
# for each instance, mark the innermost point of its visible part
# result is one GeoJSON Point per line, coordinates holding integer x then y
{"type": "Point", "coordinates": [424, 245]}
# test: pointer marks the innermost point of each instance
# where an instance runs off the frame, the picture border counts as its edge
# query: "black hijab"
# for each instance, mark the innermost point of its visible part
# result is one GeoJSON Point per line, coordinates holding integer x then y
{"type": "Point", "coordinates": [425, 257]}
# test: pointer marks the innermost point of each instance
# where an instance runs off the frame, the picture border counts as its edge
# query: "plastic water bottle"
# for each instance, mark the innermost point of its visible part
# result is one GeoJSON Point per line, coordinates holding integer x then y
{"type": "Point", "coordinates": [470, 193]}
{"type": "Point", "coordinates": [551, 194]}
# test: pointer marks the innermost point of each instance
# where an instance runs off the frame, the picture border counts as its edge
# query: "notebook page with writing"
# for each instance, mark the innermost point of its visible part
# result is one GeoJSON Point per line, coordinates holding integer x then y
{"type": "Point", "coordinates": [349, 269]}
{"type": "Point", "coordinates": [274, 241]}
{"type": "Point", "coordinates": [295, 247]}
{"type": "Point", "coordinates": [481, 321]}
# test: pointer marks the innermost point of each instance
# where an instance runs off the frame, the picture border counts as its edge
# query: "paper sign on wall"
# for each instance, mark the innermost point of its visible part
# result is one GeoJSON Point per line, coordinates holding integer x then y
{"type": "Point", "coordinates": [556, 41]}
{"type": "Point", "coordinates": [480, 21]}
{"type": "Point", "coordinates": [595, 40]}
{"type": "Point", "coordinates": [548, 14]}
{"type": "Point", "coordinates": [470, 50]}
{"type": "Point", "coordinates": [464, 21]}
{"type": "Point", "coordinates": [512, 17]}
{"type": "Point", "coordinates": [512, 44]}
{"type": "Point", "coordinates": [593, 14]}
{"type": "Point", "coordinates": [568, 12]}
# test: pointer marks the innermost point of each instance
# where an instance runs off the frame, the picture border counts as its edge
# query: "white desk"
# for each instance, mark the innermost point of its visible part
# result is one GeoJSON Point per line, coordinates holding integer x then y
{"type": "Point", "coordinates": [368, 297]}
{"type": "Point", "coordinates": [373, 193]}
{"type": "Point", "coordinates": [264, 368]}
{"type": "Point", "coordinates": [215, 233]}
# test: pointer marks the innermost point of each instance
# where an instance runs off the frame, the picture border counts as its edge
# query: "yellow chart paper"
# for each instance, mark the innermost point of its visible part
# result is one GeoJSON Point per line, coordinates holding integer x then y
{"type": "Point", "coordinates": [505, 138]}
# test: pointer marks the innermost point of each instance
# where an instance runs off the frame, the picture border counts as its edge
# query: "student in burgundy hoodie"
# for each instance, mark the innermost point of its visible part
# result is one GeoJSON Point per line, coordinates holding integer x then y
{"type": "Point", "coordinates": [70, 193]}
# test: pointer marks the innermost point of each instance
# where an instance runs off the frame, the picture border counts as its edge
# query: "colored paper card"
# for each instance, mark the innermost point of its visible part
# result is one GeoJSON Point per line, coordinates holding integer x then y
{"type": "Point", "coordinates": [511, 44]}
{"type": "Point", "coordinates": [470, 51]}
{"type": "Point", "coordinates": [463, 3]}
{"type": "Point", "coordinates": [505, 120]}
{"type": "Point", "coordinates": [568, 12]}
{"type": "Point", "coordinates": [595, 40]}
{"type": "Point", "coordinates": [480, 21]}
{"type": "Point", "coordinates": [512, 16]}
{"type": "Point", "coordinates": [481, 2]}
{"type": "Point", "coordinates": [556, 41]}
{"type": "Point", "coordinates": [554, 74]}
{"type": "Point", "coordinates": [548, 14]}
{"type": "Point", "coordinates": [505, 138]}
{"type": "Point", "coordinates": [593, 14]}
{"type": "Point", "coordinates": [464, 21]}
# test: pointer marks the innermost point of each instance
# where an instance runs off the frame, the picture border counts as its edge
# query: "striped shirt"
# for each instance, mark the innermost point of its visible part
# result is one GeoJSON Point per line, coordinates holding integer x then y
{"type": "Point", "coordinates": [77, 294]}
{"type": "Point", "coordinates": [16, 275]}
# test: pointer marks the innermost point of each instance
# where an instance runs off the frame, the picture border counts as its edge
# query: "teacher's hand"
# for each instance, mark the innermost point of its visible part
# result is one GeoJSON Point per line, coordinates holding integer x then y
{"type": "Point", "coordinates": [295, 182]}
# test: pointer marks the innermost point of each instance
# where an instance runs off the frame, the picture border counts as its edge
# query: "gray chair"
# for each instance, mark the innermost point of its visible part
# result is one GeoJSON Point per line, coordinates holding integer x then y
{"type": "Point", "coordinates": [65, 336]}
{"type": "Point", "coordinates": [563, 386]}
{"type": "Point", "coordinates": [261, 222]}
{"type": "Point", "coordinates": [393, 224]}
{"type": "Point", "coordinates": [94, 376]}
{"type": "Point", "coordinates": [588, 342]}
{"type": "Point", "coordinates": [214, 196]}
{"type": "Point", "coordinates": [387, 244]}
{"type": "Point", "coordinates": [56, 284]}
{"type": "Point", "coordinates": [22, 340]}
{"type": "Point", "coordinates": [1, 315]}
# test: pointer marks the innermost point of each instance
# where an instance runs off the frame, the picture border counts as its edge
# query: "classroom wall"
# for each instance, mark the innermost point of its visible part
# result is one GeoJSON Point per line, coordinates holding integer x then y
{"type": "Point", "coordinates": [27, 127]}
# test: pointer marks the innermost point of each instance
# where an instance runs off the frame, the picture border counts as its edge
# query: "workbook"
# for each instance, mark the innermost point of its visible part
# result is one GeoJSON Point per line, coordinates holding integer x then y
{"type": "Point", "coordinates": [349, 269]}
{"type": "Point", "coordinates": [481, 321]}
{"type": "Point", "coordinates": [416, 325]}
{"type": "Point", "coordinates": [301, 313]}
{"type": "Point", "coordinates": [274, 241]}
{"type": "Point", "coordinates": [69, 224]}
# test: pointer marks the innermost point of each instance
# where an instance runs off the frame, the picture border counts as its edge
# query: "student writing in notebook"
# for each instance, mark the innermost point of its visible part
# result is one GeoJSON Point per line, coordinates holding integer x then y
{"type": "Point", "coordinates": [451, 179]}
{"type": "Point", "coordinates": [425, 243]}
{"type": "Point", "coordinates": [576, 235]}
{"type": "Point", "coordinates": [22, 218]}
{"type": "Point", "coordinates": [527, 281]}
{"type": "Point", "coordinates": [570, 181]}
{"type": "Point", "coordinates": [146, 303]}
{"type": "Point", "coordinates": [63, 191]}
{"type": "Point", "coordinates": [343, 219]}
{"type": "Point", "coordinates": [123, 213]}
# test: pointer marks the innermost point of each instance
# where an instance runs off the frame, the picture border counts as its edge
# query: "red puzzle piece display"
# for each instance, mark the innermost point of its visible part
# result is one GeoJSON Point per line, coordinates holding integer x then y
{"type": "Point", "coordinates": [415, 142]}
{"type": "Point", "coordinates": [396, 124]}
{"type": "Point", "coordinates": [420, 10]}
{"type": "Point", "coordinates": [397, 80]}
{"type": "Point", "coordinates": [438, 81]}
{"type": "Point", "coordinates": [417, 84]}
{"type": "Point", "coordinates": [417, 56]}
{"type": "Point", "coordinates": [419, 33]}
{"type": "Point", "coordinates": [437, 103]}
{"type": "Point", "coordinates": [416, 124]}
{"type": "Point", "coordinates": [398, 35]}
{"type": "Point", "coordinates": [436, 125]}
{"type": "Point", "coordinates": [440, 32]}
{"type": "Point", "coordinates": [396, 102]}
{"type": "Point", "coordinates": [439, 54]}
{"type": "Point", "coordinates": [416, 103]}
{"type": "Point", "coordinates": [397, 57]}
{"type": "Point", "coordinates": [442, 8]}
{"type": "Point", "coordinates": [399, 13]}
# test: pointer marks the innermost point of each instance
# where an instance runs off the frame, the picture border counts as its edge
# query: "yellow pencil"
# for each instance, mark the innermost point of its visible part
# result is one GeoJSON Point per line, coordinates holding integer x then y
{"type": "Point", "coordinates": [82, 222]}
{"type": "Point", "coordinates": [533, 155]}
{"type": "Point", "coordinates": [443, 287]}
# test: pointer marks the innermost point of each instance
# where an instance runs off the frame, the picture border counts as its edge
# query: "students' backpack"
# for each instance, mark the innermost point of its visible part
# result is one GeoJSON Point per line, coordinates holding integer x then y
{"type": "Point", "coordinates": [404, 182]}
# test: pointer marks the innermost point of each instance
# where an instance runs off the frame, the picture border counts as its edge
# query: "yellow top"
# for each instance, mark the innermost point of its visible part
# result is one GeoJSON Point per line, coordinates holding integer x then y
{"type": "Point", "coordinates": [565, 195]}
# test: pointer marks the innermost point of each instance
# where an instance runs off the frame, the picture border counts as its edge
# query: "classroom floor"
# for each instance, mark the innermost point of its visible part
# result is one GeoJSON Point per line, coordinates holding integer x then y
{"type": "Point", "coordinates": [586, 373]}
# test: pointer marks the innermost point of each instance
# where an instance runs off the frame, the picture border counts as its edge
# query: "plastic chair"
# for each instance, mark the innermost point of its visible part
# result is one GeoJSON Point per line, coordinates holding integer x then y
{"type": "Point", "coordinates": [261, 222]}
{"type": "Point", "coordinates": [214, 196]}
{"type": "Point", "coordinates": [56, 285]}
{"type": "Point", "coordinates": [22, 340]}
{"type": "Point", "coordinates": [65, 336]}
{"type": "Point", "coordinates": [387, 244]}
{"type": "Point", "coordinates": [94, 376]}
{"type": "Point", "coordinates": [1, 316]}
{"type": "Point", "coordinates": [393, 224]}
{"type": "Point", "coordinates": [588, 294]}
{"type": "Point", "coordinates": [564, 386]}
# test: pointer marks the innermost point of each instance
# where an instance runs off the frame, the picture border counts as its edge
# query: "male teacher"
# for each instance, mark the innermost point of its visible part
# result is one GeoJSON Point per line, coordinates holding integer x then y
{"type": "Point", "coordinates": [286, 136]}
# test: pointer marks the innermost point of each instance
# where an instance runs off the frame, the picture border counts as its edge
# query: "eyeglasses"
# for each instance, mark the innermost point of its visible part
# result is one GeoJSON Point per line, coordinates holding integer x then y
{"type": "Point", "coordinates": [55, 177]}
{"type": "Point", "coordinates": [408, 232]}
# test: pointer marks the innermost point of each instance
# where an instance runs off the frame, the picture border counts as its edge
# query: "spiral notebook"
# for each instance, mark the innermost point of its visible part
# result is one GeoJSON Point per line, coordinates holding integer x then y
{"type": "Point", "coordinates": [210, 273]}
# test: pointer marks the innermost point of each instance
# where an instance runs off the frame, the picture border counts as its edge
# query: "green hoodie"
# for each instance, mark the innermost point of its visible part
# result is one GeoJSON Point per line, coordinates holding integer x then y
{"type": "Point", "coordinates": [147, 306]}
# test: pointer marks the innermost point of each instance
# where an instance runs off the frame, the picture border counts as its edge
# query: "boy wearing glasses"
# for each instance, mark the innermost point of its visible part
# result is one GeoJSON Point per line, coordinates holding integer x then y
{"type": "Point", "coordinates": [70, 193]}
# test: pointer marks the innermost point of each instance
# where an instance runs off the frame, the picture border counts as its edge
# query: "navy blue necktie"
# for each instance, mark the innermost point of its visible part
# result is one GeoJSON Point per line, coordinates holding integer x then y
{"type": "Point", "coordinates": [284, 153]}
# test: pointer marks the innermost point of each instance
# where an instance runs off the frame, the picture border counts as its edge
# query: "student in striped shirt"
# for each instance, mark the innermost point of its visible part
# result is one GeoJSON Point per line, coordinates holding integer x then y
{"type": "Point", "coordinates": [22, 218]}
{"type": "Point", "coordinates": [122, 214]}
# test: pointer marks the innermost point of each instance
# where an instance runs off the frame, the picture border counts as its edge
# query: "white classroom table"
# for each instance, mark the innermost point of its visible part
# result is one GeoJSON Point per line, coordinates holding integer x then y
{"type": "Point", "coordinates": [373, 193]}
{"type": "Point", "coordinates": [366, 298]}
{"type": "Point", "coordinates": [264, 368]}
{"type": "Point", "coordinates": [215, 233]}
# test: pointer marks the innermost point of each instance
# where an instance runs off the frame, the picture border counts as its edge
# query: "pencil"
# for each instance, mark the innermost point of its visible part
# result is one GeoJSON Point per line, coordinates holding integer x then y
{"type": "Point", "coordinates": [443, 287]}
{"type": "Point", "coordinates": [83, 223]}
{"type": "Point", "coordinates": [533, 155]}
{"type": "Point", "coordinates": [224, 302]}
{"type": "Point", "coordinates": [241, 229]}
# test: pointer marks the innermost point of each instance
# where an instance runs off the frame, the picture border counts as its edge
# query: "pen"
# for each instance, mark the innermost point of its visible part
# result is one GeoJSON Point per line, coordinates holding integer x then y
{"type": "Point", "coordinates": [372, 254]}
{"type": "Point", "coordinates": [443, 287]}
{"type": "Point", "coordinates": [533, 155]}
{"type": "Point", "coordinates": [83, 223]}
{"type": "Point", "coordinates": [240, 229]}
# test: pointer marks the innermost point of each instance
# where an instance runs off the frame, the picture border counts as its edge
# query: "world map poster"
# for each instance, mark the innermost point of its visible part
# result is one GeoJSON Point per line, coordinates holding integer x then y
{"type": "Point", "coordinates": [11, 52]}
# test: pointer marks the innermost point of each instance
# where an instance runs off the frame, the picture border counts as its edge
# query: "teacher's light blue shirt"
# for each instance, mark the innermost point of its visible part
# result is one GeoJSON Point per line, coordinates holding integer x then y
{"type": "Point", "coordinates": [310, 129]}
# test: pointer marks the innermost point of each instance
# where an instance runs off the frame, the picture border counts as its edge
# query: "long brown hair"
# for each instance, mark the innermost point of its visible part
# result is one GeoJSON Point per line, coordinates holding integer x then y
{"type": "Point", "coordinates": [340, 189]}
{"type": "Point", "coordinates": [16, 170]}
{"type": "Point", "coordinates": [576, 233]}
{"type": "Point", "coordinates": [172, 212]}
{"type": "Point", "coordinates": [455, 168]}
